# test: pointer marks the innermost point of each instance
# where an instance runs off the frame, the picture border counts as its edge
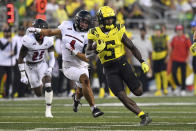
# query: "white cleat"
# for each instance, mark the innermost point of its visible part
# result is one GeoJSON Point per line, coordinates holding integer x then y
{"type": "Point", "coordinates": [48, 114]}
{"type": "Point", "coordinates": [176, 92]}
{"type": "Point", "coordinates": [183, 93]}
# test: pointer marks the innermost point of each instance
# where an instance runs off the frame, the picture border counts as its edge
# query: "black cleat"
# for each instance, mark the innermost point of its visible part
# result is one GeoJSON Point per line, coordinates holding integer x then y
{"type": "Point", "coordinates": [145, 120]}
{"type": "Point", "coordinates": [97, 112]}
{"type": "Point", "coordinates": [76, 103]}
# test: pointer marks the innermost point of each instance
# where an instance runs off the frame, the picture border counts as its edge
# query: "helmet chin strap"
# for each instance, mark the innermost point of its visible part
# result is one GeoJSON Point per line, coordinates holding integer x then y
{"type": "Point", "coordinates": [109, 27]}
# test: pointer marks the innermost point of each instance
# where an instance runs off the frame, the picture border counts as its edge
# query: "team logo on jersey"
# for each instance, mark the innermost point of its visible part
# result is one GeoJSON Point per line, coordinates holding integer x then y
{"type": "Point", "coordinates": [69, 28]}
{"type": "Point", "coordinates": [82, 36]}
{"type": "Point", "coordinates": [34, 43]}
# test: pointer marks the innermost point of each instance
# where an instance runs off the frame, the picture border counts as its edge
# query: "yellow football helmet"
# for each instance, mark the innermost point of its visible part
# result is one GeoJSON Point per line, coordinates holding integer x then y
{"type": "Point", "coordinates": [106, 12]}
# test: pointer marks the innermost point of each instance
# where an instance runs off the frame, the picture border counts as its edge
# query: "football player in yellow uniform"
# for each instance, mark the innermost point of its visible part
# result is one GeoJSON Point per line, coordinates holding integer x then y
{"type": "Point", "coordinates": [109, 41]}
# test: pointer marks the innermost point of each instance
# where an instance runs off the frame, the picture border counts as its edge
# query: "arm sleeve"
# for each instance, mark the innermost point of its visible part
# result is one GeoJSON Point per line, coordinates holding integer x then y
{"type": "Point", "coordinates": [52, 59]}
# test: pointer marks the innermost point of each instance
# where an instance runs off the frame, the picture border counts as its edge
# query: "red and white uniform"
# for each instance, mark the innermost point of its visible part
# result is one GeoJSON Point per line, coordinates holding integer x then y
{"type": "Point", "coordinates": [36, 57]}
{"type": "Point", "coordinates": [73, 67]}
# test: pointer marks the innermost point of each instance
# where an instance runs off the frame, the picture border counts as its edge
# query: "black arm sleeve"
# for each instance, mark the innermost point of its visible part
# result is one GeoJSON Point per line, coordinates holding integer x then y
{"type": "Point", "coordinates": [129, 44]}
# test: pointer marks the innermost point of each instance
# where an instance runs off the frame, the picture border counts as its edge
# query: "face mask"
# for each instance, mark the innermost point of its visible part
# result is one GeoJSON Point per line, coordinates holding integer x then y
{"type": "Point", "coordinates": [109, 27]}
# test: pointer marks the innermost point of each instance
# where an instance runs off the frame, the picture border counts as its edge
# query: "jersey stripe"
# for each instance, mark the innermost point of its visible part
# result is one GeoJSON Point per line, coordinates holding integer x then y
{"type": "Point", "coordinates": [74, 38]}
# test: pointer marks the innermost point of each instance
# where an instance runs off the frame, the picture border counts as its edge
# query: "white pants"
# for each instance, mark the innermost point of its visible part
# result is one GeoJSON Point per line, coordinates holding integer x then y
{"type": "Point", "coordinates": [73, 72]}
{"type": "Point", "coordinates": [35, 73]}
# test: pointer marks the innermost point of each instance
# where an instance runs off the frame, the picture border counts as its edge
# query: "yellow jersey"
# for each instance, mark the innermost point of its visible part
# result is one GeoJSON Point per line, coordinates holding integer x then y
{"type": "Point", "coordinates": [159, 44]}
{"type": "Point", "coordinates": [114, 47]}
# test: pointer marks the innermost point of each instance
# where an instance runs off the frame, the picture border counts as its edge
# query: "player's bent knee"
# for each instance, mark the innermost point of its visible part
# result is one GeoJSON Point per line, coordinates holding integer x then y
{"type": "Point", "coordinates": [84, 79]}
{"type": "Point", "coordinates": [46, 79]}
{"type": "Point", "coordinates": [139, 91]}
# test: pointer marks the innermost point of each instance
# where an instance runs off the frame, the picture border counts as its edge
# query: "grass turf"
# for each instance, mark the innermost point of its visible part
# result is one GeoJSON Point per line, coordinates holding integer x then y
{"type": "Point", "coordinates": [168, 113]}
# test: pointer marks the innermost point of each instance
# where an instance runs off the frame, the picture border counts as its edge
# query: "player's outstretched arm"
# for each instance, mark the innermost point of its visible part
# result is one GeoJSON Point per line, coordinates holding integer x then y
{"type": "Point", "coordinates": [51, 32]}
{"type": "Point", "coordinates": [45, 32]}
{"type": "Point", "coordinates": [129, 44]}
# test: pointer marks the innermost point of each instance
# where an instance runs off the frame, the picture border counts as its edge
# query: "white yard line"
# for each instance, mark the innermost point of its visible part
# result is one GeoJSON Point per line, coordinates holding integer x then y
{"type": "Point", "coordinates": [110, 104]}
{"type": "Point", "coordinates": [109, 112]}
{"type": "Point", "coordinates": [144, 104]}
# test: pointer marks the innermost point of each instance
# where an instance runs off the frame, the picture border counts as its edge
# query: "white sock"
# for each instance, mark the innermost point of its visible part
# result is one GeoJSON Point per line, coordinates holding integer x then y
{"type": "Point", "coordinates": [48, 98]}
{"type": "Point", "coordinates": [92, 108]}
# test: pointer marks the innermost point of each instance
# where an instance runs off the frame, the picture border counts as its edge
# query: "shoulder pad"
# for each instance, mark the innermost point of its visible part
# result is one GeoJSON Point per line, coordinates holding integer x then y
{"type": "Point", "coordinates": [27, 40]}
{"type": "Point", "coordinates": [65, 24]}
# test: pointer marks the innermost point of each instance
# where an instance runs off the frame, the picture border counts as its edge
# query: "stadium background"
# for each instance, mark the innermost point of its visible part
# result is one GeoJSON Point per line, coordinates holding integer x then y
{"type": "Point", "coordinates": [132, 13]}
{"type": "Point", "coordinates": [168, 112]}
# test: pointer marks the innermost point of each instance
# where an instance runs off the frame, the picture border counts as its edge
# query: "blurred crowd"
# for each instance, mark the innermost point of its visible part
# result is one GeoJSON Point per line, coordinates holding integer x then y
{"type": "Point", "coordinates": [129, 12]}
{"type": "Point", "coordinates": [166, 53]}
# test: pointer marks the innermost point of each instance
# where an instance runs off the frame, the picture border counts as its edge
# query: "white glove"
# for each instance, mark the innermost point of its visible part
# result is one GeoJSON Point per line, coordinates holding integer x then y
{"type": "Point", "coordinates": [48, 71]}
{"type": "Point", "coordinates": [34, 30]}
{"type": "Point", "coordinates": [73, 51]}
{"type": "Point", "coordinates": [23, 78]}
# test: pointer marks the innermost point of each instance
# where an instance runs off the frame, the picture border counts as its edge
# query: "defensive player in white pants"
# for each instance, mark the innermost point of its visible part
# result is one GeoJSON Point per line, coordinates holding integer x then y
{"type": "Point", "coordinates": [75, 66]}
{"type": "Point", "coordinates": [35, 71]}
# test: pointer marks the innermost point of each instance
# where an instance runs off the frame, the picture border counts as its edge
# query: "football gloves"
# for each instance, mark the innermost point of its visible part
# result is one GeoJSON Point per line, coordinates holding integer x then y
{"type": "Point", "coordinates": [34, 30]}
{"type": "Point", "coordinates": [145, 67]}
{"type": "Point", "coordinates": [193, 49]}
{"type": "Point", "coordinates": [100, 46]}
{"type": "Point", "coordinates": [23, 78]}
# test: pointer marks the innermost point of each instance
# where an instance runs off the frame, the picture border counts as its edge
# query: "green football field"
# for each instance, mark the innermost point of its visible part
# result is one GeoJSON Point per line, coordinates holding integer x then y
{"type": "Point", "coordinates": [167, 113]}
